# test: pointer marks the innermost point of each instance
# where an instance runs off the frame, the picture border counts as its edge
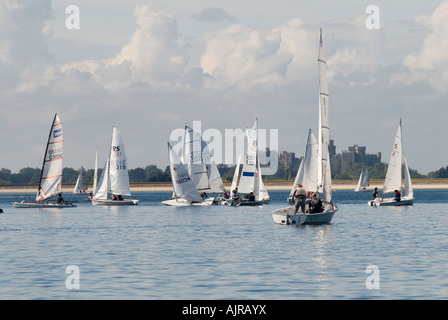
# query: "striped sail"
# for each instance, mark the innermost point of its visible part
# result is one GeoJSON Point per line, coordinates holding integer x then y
{"type": "Point", "coordinates": [51, 175]}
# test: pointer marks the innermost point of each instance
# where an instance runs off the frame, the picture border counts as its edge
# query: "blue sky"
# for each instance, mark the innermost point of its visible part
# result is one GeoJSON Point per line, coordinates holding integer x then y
{"type": "Point", "coordinates": [149, 67]}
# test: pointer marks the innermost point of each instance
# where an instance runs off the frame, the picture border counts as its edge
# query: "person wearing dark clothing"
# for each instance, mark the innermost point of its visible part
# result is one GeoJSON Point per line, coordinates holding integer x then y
{"type": "Point", "coordinates": [315, 205]}
{"type": "Point", "coordinates": [299, 198]}
{"type": "Point", "coordinates": [375, 193]}
{"type": "Point", "coordinates": [60, 200]}
{"type": "Point", "coordinates": [251, 196]}
{"type": "Point", "coordinates": [397, 195]}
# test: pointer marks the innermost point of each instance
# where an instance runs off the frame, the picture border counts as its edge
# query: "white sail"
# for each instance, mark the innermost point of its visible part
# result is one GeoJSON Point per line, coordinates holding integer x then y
{"type": "Point", "coordinates": [262, 191]}
{"type": "Point", "coordinates": [194, 159]}
{"type": "Point", "coordinates": [393, 175]}
{"type": "Point", "coordinates": [118, 167]}
{"type": "Point", "coordinates": [214, 178]}
{"type": "Point", "coordinates": [310, 182]}
{"type": "Point", "coordinates": [183, 185]}
{"type": "Point", "coordinates": [103, 185]}
{"type": "Point", "coordinates": [51, 175]}
{"type": "Point", "coordinates": [308, 170]}
{"type": "Point", "coordinates": [115, 177]}
{"type": "Point", "coordinates": [408, 191]}
{"type": "Point", "coordinates": [300, 175]}
{"type": "Point", "coordinates": [81, 183]}
{"type": "Point", "coordinates": [363, 181]}
{"type": "Point", "coordinates": [324, 171]}
{"type": "Point", "coordinates": [236, 174]}
{"type": "Point", "coordinates": [95, 172]}
{"type": "Point", "coordinates": [247, 180]}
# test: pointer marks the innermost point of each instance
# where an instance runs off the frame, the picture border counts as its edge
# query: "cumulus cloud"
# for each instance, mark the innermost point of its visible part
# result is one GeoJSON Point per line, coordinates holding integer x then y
{"type": "Point", "coordinates": [23, 36]}
{"type": "Point", "coordinates": [213, 15]}
{"type": "Point", "coordinates": [430, 64]}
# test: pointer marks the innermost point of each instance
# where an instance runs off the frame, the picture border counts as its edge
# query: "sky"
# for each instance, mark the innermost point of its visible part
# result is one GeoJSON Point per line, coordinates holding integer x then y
{"type": "Point", "coordinates": [150, 67]}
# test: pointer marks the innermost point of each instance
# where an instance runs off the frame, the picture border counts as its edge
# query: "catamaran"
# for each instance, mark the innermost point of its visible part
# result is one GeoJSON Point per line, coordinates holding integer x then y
{"type": "Point", "coordinates": [115, 177]}
{"type": "Point", "coordinates": [321, 163]}
{"type": "Point", "coordinates": [50, 183]}
{"type": "Point", "coordinates": [393, 177]}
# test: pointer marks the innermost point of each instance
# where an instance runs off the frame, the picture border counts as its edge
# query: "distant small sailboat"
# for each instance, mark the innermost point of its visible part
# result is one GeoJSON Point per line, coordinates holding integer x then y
{"type": "Point", "coordinates": [364, 181]}
{"type": "Point", "coordinates": [81, 183]}
{"type": "Point", "coordinates": [393, 177]}
{"type": "Point", "coordinates": [115, 177]}
{"type": "Point", "coordinates": [50, 183]}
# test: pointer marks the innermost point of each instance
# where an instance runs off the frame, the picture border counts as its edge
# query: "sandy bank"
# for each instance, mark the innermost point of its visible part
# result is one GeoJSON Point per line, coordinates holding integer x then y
{"type": "Point", "coordinates": [270, 185]}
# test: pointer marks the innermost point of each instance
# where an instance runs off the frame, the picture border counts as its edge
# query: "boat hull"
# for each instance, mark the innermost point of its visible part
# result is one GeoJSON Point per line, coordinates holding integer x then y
{"type": "Point", "coordinates": [187, 203]}
{"type": "Point", "coordinates": [108, 202]}
{"type": "Point", "coordinates": [286, 216]}
{"type": "Point", "coordinates": [25, 204]}
{"type": "Point", "coordinates": [390, 203]}
{"type": "Point", "coordinates": [235, 203]}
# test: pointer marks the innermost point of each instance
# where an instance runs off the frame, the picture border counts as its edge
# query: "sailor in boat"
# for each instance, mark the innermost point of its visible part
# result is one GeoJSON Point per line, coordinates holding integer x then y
{"type": "Point", "coordinates": [60, 200]}
{"type": "Point", "coordinates": [114, 197]}
{"type": "Point", "coordinates": [235, 196]}
{"type": "Point", "coordinates": [299, 199]}
{"type": "Point", "coordinates": [251, 196]}
{"type": "Point", "coordinates": [316, 205]}
{"type": "Point", "coordinates": [120, 197]}
{"type": "Point", "coordinates": [375, 193]}
{"type": "Point", "coordinates": [225, 195]}
{"type": "Point", "coordinates": [397, 195]}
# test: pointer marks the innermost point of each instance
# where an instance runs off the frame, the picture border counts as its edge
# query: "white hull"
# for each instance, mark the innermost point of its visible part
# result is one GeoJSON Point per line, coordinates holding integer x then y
{"type": "Point", "coordinates": [286, 216]}
{"type": "Point", "coordinates": [391, 202]}
{"type": "Point", "coordinates": [186, 203]}
{"type": "Point", "coordinates": [108, 202]}
{"type": "Point", "coordinates": [362, 190]}
{"type": "Point", "coordinates": [25, 204]}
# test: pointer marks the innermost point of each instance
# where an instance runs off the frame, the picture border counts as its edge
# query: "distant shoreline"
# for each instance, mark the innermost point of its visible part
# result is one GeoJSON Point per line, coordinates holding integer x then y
{"type": "Point", "coordinates": [270, 185]}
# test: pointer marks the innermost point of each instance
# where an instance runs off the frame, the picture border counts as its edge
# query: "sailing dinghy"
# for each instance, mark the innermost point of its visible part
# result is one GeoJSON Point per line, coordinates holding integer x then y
{"type": "Point", "coordinates": [185, 192]}
{"type": "Point", "coordinates": [81, 183]}
{"type": "Point", "coordinates": [250, 183]}
{"type": "Point", "coordinates": [393, 177]}
{"type": "Point", "coordinates": [363, 182]}
{"type": "Point", "coordinates": [115, 177]}
{"type": "Point", "coordinates": [50, 183]}
{"type": "Point", "coordinates": [322, 162]}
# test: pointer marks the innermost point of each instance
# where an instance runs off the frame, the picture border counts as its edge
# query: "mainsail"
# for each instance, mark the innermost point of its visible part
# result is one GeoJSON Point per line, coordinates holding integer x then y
{"type": "Point", "coordinates": [51, 175]}
{"type": "Point", "coordinates": [324, 171]}
{"type": "Point", "coordinates": [81, 183]}
{"type": "Point", "coordinates": [115, 176]}
{"type": "Point", "coordinates": [193, 159]}
{"type": "Point", "coordinates": [393, 174]}
{"type": "Point", "coordinates": [183, 185]}
{"type": "Point", "coordinates": [247, 182]}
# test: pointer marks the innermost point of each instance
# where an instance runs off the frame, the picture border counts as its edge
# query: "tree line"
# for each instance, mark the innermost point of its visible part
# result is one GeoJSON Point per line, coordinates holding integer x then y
{"type": "Point", "coordinates": [152, 173]}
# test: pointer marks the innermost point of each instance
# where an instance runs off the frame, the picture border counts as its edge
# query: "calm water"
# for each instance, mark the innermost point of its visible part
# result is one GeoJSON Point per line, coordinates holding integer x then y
{"type": "Point", "coordinates": [152, 251]}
